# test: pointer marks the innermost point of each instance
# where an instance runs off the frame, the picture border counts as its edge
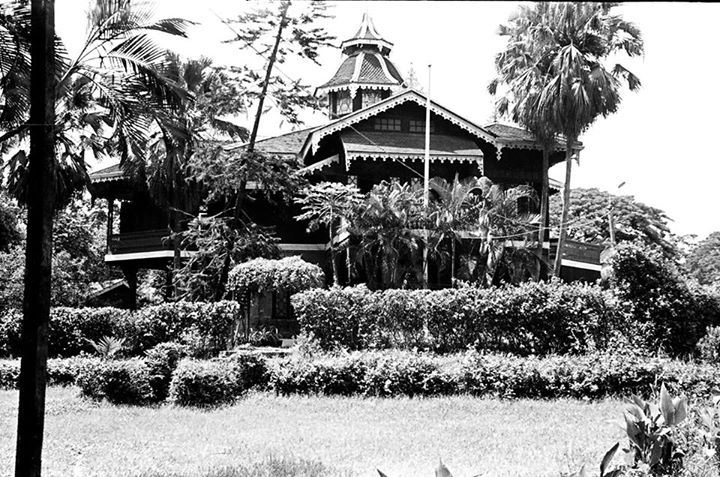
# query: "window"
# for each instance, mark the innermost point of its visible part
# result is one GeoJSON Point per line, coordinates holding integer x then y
{"type": "Point", "coordinates": [419, 126]}
{"type": "Point", "coordinates": [388, 124]}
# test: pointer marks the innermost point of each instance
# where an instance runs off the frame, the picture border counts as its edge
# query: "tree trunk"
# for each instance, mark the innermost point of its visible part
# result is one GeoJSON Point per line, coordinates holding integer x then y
{"type": "Point", "coordinates": [336, 279]}
{"type": "Point", "coordinates": [452, 262]}
{"type": "Point", "coordinates": [566, 205]}
{"type": "Point", "coordinates": [268, 75]}
{"type": "Point", "coordinates": [38, 252]}
{"type": "Point", "coordinates": [544, 198]}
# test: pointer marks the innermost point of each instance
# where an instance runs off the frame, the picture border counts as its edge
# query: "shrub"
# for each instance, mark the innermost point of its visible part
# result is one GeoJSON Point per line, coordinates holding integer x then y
{"type": "Point", "coordinates": [709, 345]}
{"type": "Point", "coordinates": [397, 373]}
{"type": "Point", "coordinates": [259, 275]}
{"type": "Point", "coordinates": [9, 373]}
{"type": "Point", "coordinates": [532, 318]}
{"type": "Point", "coordinates": [120, 382]}
{"type": "Point", "coordinates": [161, 361]}
{"type": "Point", "coordinates": [205, 383]}
{"type": "Point", "coordinates": [252, 370]}
{"type": "Point", "coordinates": [678, 313]}
{"type": "Point", "coordinates": [205, 328]}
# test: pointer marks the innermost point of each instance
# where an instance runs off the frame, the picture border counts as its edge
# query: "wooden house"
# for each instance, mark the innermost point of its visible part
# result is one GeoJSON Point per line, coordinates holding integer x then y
{"type": "Point", "coordinates": [375, 131]}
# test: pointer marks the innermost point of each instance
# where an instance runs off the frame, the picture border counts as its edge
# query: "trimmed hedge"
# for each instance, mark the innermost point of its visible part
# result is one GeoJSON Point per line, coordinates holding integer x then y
{"type": "Point", "coordinates": [61, 372]}
{"type": "Point", "coordinates": [205, 383]}
{"type": "Point", "coordinates": [118, 381]}
{"type": "Point", "coordinates": [532, 318]}
{"type": "Point", "coordinates": [204, 327]}
{"type": "Point", "coordinates": [421, 374]}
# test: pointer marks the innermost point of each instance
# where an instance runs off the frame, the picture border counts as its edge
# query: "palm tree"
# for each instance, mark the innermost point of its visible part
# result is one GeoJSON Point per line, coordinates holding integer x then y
{"type": "Point", "coordinates": [454, 211]}
{"type": "Point", "coordinates": [561, 76]}
{"type": "Point", "coordinates": [106, 98]}
{"type": "Point", "coordinates": [387, 222]}
{"type": "Point", "coordinates": [522, 77]}
{"type": "Point", "coordinates": [327, 204]}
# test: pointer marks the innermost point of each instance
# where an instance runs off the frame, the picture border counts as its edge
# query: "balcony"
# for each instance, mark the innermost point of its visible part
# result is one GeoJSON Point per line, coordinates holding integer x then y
{"type": "Point", "coordinates": [138, 242]}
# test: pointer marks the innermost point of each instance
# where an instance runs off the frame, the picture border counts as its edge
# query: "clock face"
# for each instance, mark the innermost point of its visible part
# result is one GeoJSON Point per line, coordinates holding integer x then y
{"type": "Point", "coordinates": [344, 105]}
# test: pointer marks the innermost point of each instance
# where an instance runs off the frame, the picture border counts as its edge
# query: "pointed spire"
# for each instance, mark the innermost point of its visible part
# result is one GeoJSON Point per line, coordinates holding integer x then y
{"type": "Point", "coordinates": [367, 35]}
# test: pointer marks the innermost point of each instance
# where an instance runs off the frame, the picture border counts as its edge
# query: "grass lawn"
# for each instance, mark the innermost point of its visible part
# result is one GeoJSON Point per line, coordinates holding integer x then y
{"type": "Point", "coordinates": [318, 436]}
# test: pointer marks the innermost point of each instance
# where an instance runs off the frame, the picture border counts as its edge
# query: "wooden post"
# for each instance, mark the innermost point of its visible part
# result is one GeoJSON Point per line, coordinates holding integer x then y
{"type": "Point", "coordinates": [38, 251]}
{"type": "Point", "coordinates": [110, 220]}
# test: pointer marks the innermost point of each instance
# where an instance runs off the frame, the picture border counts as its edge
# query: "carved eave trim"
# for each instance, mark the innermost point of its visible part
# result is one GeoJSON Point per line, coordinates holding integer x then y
{"type": "Point", "coordinates": [389, 103]}
{"type": "Point", "coordinates": [355, 86]}
{"type": "Point", "coordinates": [384, 157]}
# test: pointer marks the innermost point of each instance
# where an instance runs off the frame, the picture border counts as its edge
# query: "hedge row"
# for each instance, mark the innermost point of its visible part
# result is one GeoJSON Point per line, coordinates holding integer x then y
{"type": "Point", "coordinates": [396, 373]}
{"type": "Point", "coordinates": [204, 327]}
{"type": "Point", "coordinates": [419, 374]}
{"type": "Point", "coordinates": [532, 318]}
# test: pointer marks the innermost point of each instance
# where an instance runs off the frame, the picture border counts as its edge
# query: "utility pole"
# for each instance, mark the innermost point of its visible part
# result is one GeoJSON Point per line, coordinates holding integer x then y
{"type": "Point", "coordinates": [426, 185]}
{"type": "Point", "coordinates": [38, 251]}
{"type": "Point", "coordinates": [611, 218]}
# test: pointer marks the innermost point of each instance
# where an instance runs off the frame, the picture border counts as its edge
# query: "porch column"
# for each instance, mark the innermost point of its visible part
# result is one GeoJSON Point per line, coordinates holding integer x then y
{"type": "Point", "coordinates": [110, 221]}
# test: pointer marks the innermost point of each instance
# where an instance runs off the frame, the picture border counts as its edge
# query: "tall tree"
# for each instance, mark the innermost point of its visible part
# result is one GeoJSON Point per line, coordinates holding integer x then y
{"type": "Point", "coordinates": [521, 78]}
{"type": "Point", "coordinates": [276, 31]}
{"type": "Point", "coordinates": [568, 46]}
{"type": "Point", "coordinates": [41, 202]}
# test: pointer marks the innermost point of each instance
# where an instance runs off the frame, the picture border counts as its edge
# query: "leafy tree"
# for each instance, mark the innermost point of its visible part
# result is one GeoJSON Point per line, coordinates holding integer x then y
{"type": "Point", "coordinates": [568, 45]}
{"type": "Point", "coordinates": [276, 31]}
{"type": "Point", "coordinates": [328, 204]}
{"type": "Point", "coordinates": [634, 221]}
{"type": "Point", "coordinates": [219, 243]}
{"type": "Point", "coordinates": [703, 260]}
{"type": "Point", "coordinates": [10, 233]}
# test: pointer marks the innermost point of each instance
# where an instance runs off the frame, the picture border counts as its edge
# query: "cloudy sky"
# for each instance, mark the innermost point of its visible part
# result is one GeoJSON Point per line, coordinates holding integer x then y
{"type": "Point", "coordinates": [660, 143]}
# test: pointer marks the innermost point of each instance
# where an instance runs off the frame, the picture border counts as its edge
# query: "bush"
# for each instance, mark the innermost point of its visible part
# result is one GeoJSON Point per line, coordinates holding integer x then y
{"type": "Point", "coordinates": [9, 373]}
{"type": "Point", "coordinates": [708, 347]}
{"type": "Point", "coordinates": [405, 373]}
{"type": "Point", "coordinates": [120, 382]}
{"type": "Point", "coordinates": [678, 313]}
{"type": "Point", "coordinates": [205, 383]}
{"type": "Point", "coordinates": [532, 318]}
{"type": "Point", "coordinates": [161, 361]}
{"type": "Point", "coordinates": [260, 275]}
{"type": "Point", "coordinates": [60, 372]}
{"type": "Point", "coordinates": [205, 328]}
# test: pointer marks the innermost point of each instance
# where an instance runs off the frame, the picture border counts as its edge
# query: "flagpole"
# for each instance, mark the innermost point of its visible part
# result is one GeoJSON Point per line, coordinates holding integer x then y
{"type": "Point", "coordinates": [426, 186]}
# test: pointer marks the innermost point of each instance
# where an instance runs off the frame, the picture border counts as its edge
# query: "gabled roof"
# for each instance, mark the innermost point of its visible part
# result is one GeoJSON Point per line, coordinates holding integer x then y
{"type": "Point", "coordinates": [520, 138]}
{"type": "Point", "coordinates": [404, 96]}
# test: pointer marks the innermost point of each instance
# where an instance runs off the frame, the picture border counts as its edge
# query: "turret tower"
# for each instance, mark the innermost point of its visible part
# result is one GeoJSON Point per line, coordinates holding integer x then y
{"type": "Point", "coordinates": [365, 76]}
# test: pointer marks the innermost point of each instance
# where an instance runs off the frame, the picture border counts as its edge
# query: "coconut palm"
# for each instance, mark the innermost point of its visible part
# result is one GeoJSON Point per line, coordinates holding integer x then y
{"type": "Point", "coordinates": [106, 98]}
{"type": "Point", "coordinates": [556, 64]}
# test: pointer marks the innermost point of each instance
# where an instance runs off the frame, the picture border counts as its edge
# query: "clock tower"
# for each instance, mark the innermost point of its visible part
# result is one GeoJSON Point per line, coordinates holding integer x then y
{"type": "Point", "coordinates": [366, 74]}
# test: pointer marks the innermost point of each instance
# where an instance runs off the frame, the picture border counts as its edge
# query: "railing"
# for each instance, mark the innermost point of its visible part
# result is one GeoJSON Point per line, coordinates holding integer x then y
{"type": "Point", "coordinates": [143, 241]}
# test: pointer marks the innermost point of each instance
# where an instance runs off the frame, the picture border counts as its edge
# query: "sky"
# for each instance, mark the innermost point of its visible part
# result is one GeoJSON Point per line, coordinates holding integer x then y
{"type": "Point", "coordinates": [659, 143]}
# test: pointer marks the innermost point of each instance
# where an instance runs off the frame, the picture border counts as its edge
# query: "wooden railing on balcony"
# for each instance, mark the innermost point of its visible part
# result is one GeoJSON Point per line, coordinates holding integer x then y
{"type": "Point", "coordinates": [143, 241]}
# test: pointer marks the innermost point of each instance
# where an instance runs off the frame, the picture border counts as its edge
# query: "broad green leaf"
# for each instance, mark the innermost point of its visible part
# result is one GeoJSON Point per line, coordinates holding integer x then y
{"type": "Point", "coordinates": [666, 406]}
{"type": "Point", "coordinates": [608, 457]}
